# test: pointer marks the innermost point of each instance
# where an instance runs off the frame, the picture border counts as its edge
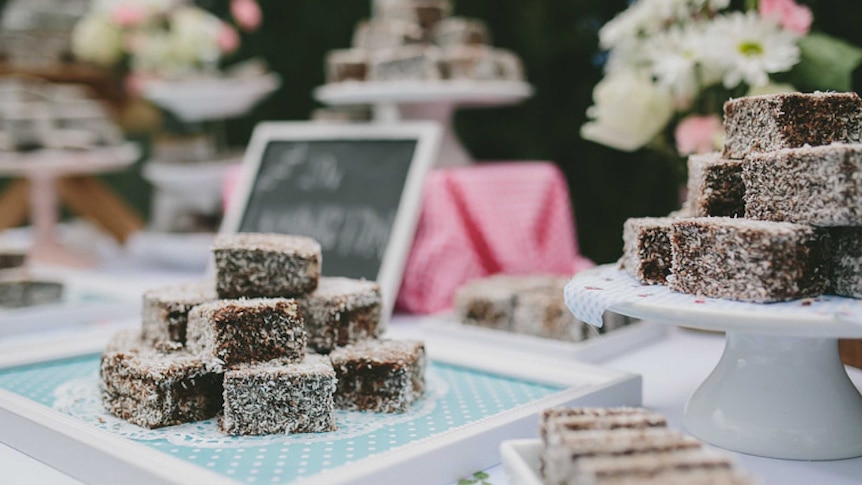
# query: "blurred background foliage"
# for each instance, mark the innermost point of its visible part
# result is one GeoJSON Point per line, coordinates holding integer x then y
{"type": "Point", "coordinates": [557, 39]}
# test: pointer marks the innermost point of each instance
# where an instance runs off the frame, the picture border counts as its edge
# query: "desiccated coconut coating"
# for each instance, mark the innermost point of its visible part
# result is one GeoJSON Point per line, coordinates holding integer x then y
{"type": "Point", "coordinates": [165, 311]}
{"type": "Point", "coordinates": [230, 332]}
{"type": "Point", "coordinates": [490, 302]}
{"type": "Point", "coordinates": [19, 289]}
{"type": "Point", "coordinates": [155, 389]}
{"type": "Point", "coordinates": [647, 249]}
{"type": "Point", "coordinates": [768, 123]}
{"type": "Point", "coordinates": [341, 311]}
{"type": "Point", "coordinates": [384, 376]}
{"type": "Point", "coordinates": [741, 259]}
{"type": "Point", "coordinates": [279, 397]}
{"type": "Point", "coordinates": [265, 265]}
{"type": "Point", "coordinates": [542, 312]}
{"type": "Point", "coordinates": [845, 277]}
{"type": "Point", "coordinates": [821, 186]}
{"type": "Point", "coordinates": [715, 186]}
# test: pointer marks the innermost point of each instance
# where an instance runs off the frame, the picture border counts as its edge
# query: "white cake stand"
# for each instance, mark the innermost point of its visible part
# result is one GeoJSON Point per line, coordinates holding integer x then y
{"type": "Point", "coordinates": [780, 389]}
{"type": "Point", "coordinates": [427, 100]}
{"type": "Point", "coordinates": [43, 169]}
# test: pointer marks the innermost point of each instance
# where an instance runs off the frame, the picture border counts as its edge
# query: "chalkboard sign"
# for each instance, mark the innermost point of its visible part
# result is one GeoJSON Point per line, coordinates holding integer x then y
{"type": "Point", "coordinates": [354, 188]}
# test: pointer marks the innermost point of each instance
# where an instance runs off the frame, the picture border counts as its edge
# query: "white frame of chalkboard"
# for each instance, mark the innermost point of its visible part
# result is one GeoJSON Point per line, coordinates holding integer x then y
{"type": "Point", "coordinates": [428, 137]}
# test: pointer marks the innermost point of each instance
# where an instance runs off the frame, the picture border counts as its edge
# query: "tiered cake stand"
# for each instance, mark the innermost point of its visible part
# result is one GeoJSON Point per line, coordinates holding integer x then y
{"type": "Point", "coordinates": [780, 389]}
{"type": "Point", "coordinates": [427, 100]}
{"type": "Point", "coordinates": [45, 168]}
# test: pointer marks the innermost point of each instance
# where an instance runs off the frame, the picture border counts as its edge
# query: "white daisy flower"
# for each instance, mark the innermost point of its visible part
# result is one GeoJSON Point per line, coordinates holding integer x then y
{"type": "Point", "coordinates": [676, 56]}
{"type": "Point", "coordinates": [748, 48]}
{"type": "Point", "coordinates": [647, 17]}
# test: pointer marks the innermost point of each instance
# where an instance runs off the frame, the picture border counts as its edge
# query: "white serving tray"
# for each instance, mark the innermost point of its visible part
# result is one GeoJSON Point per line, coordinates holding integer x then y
{"type": "Point", "coordinates": [521, 461]}
{"type": "Point", "coordinates": [95, 450]}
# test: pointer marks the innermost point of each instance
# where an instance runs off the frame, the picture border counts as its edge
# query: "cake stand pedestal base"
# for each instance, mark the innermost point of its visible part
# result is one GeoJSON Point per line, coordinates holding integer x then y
{"type": "Point", "coordinates": [779, 397]}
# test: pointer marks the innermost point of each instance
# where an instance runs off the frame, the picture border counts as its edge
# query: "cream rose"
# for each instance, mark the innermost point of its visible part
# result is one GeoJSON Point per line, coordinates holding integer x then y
{"type": "Point", "coordinates": [629, 110]}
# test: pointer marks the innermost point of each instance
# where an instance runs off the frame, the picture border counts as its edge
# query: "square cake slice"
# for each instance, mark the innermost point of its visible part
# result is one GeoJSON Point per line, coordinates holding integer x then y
{"type": "Point", "coordinates": [647, 249]}
{"type": "Point", "coordinates": [231, 332]}
{"type": "Point", "coordinates": [265, 265]}
{"type": "Point", "coordinates": [155, 389]}
{"type": "Point", "coordinates": [642, 467]}
{"type": "Point", "coordinates": [715, 186]}
{"type": "Point", "coordinates": [341, 311]}
{"type": "Point", "coordinates": [19, 289]}
{"type": "Point", "coordinates": [821, 186]}
{"type": "Point", "coordinates": [384, 376]}
{"type": "Point", "coordinates": [542, 312]}
{"type": "Point", "coordinates": [279, 397]}
{"type": "Point", "coordinates": [560, 421]}
{"type": "Point", "coordinates": [845, 277]}
{"type": "Point", "coordinates": [165, 311]}
{"type": "Point", "coordinates": [741, 259]}
{"type": "Point", "coordinates": [767, 123]}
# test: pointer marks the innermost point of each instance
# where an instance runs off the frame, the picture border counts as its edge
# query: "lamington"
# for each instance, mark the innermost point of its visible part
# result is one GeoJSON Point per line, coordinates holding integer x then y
{"type": "Point", "coordinates": [165, 311]}
{"type": "Point", "coordinates": [542, 312]}
{"type": "Point", "coordinates": [18, 289]}
{"type": "Point", "coordinates": [490, 302]}
{"type": "Point", "coordinates": [408, 63]}
{"type": "Point", "coordinates": [821, 186]}
{"type": "Point", "coordinates": [377, 34]}
{"type": "Point", "coordinates": [12, 258]}
{"type": "Point", "coordinates": [384, 376]}
{"type": "Point", "coordinates": [231, 332]}
{"type": "Point", "coordinates": [715, 186]}
{"type": "Point", "coordinates": [557, 421]}
{"type": "Point", "coordinates": [265, 265]}
{"type": "Point", "coordinates": [425, 13]}
{"type": "Point", "coordinates": [659, 467]}
{"type": "Point", "coordinates": [756, 124]}
{"type": "Point", "coordinates": [155, 389]}
{"type": "Point", "coordinates": [747, 260]}
{"type": "Point", "coordinates": [345, 65]}
{"type": "Point", "coordinates": [342, 311]}
{"type": "Point", "coordinates": [279, 397]}
{"type": "Point", "coordinates": [846, 261]}
{"type": "Point", "coordinates": [647, 252]}
{"type": "Point", "coordinates": [458, 31]}
{"type": "Point", "coordinates": [481, 63]}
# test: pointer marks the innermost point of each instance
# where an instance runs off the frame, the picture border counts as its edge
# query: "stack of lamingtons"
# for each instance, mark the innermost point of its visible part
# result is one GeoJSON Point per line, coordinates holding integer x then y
{"type": "Point", "coordinates": [253, 344]}
{"type": "Point", "coordinates": [419, 40]}
{"type": "Point", "coordinates": [616, 446]}
{"type": "Point", "coordinates": [777, 216]}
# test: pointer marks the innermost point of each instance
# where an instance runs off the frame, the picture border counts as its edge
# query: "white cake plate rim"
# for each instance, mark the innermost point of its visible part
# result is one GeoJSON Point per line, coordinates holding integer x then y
{"type": "Point", "coordinates": [464, 92]}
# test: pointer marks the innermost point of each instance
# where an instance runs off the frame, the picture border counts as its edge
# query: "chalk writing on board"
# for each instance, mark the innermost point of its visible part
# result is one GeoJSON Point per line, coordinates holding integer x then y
{"type": "Point", "coordinates": [304, 171]}
{"type": "Point", "coordinates": [346, 231]}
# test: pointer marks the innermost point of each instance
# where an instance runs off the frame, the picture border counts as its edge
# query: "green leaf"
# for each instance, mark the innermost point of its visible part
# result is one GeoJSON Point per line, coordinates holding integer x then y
{"type": "Point", "coordinates": [826, 64]}
{"type": "Point", "coordinates": [480, 475]}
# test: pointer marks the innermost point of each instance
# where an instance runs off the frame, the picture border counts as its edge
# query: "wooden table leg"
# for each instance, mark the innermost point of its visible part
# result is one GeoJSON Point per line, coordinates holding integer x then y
{"type": "Point", "coordinates": [851, 351]}
{"type": "Point", "coordinates": [92, 199]}
{"type": "Point", "coordinates": [14, 204]}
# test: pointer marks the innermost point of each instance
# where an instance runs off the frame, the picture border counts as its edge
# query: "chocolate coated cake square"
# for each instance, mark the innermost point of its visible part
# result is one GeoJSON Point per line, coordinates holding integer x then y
{"type": "Point", "coordinates": [821, 186]}
{"type": "Point", "coordinates": [265, 265]}
{"type": "Point", "coordinates": [384, 376]}
{"type": "Point", "coordinates": [231, 332]}
{"type": "Point", "coordinates": [846, 261]}
{"type": "Point", "coordinates": [18, 289]}
{"type": "Point", "coordinates": [165, 311]}
{"type": "Point", "coordinates": [155, 389]}
{"type": "Point", "coordinates": [767, 123]}
{"type": "Point", "coordinates": [647, 249]}
{"type": "Point", "coordinates": [341, 311]}
{"type": "Point", "coordinates": [741, 259]}
{"type": "Point", "coordinates": [279, 397]}
{"type": "Point", "coordinates": [715, 187]}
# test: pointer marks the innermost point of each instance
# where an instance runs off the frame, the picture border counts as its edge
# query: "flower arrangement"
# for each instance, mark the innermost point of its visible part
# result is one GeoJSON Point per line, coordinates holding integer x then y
{"type": "Point", "coordinates": [671, 64]}
{"type": "Point", "coordinates": [159, 38]}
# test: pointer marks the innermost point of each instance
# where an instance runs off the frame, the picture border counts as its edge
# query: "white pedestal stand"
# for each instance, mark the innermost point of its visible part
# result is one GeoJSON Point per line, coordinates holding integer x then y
{"type": "Point", "coordinates": [427, 100]}
{"type": "Point", "coordinates": [43, 169]}
{"type": "Point", "coordinates": [779, 390]}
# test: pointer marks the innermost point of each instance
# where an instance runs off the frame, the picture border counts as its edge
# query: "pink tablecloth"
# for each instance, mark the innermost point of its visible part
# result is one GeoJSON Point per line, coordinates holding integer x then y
{"type": "Point", "coordinates": [512, 218]}
{"type": "Point", "coordinates": [476, 221]}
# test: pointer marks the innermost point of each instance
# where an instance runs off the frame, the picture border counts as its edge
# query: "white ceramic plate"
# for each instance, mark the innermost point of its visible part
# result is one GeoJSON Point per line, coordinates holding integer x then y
{"type": "Point", "coordinates": [521, 461]}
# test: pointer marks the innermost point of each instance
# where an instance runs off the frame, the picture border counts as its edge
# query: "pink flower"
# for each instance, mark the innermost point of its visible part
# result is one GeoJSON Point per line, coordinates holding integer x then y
{"type": "Point", "coordinates": [247, 14]}
{"type": "Point", "coordinates": [128, 15]}
{"type": "Point", "coordinates": [228, 39]}
{"type": "Point", "coordinates": [698, 134]}
{"type": "Point", "coordinates": [790, 15]}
